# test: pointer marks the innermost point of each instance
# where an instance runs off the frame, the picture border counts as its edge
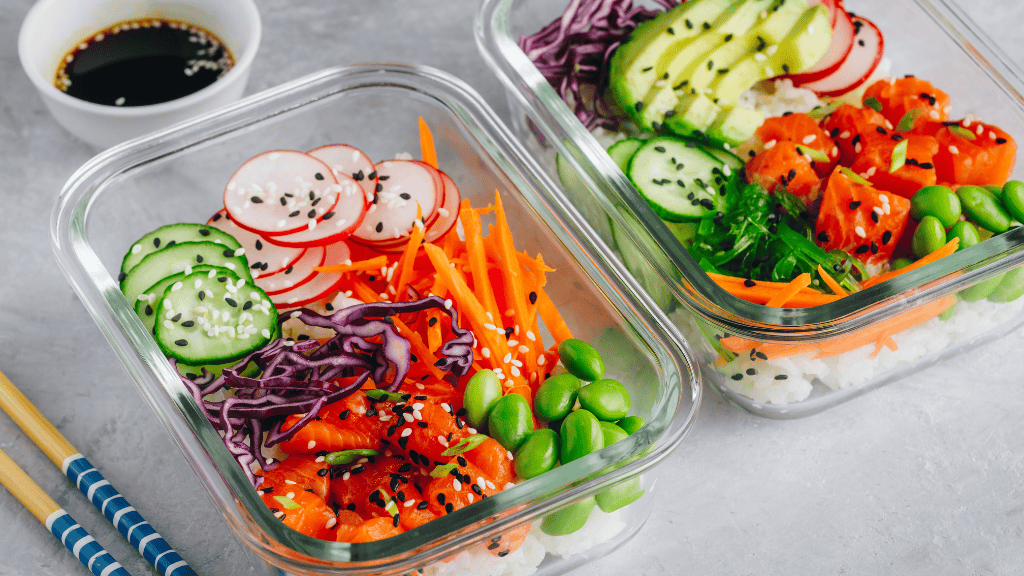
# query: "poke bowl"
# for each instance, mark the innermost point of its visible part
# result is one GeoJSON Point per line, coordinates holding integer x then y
{"type": "Point", "coordinates": [146, 199]}
{"type": "Point", "coordinates": [779, 358]}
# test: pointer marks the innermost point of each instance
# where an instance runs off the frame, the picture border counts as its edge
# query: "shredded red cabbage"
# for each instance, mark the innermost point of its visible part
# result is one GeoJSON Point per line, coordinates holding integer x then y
{"type": "Point", "coordinates": [573, 53]}
{"type": "Point", "coordinates": [300, 377]}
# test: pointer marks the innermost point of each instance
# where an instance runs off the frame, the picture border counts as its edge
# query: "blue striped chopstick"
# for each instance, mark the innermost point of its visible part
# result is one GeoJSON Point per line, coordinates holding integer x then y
{"type": "Point", "coordinates": [57, 520]}
{"type": "Point", "coordinates": [90, 482]}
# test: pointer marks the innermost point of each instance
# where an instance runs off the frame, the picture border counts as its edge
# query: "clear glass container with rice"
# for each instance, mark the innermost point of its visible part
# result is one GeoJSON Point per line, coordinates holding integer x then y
{"type": "Point", "coordinates": [180, 174]}
{"type": "Point", "coordinates": [790, 344]}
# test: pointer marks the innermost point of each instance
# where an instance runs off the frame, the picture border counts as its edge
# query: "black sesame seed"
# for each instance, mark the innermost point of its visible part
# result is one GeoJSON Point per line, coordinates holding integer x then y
{"type": "Point", "coordinates": [202, 295]}
{"type": "Point", "coordinates": [855, 204]}
{"type": "Point", "coordinates": [862, 249]}
{"type": "Point", "coordinates": [256, 200]}
{"type": "Point", "coordinates": [449, 508]}
{"type": "Point", "coordinates": [874, 216]}
{"type": "Point", "coordinates": [311, 214]}
{"type": "Point", "coordinates": [886, 237]}
{"type": "Point", "coordinates": [379, 227]}
{"type": "Point", "coordinates": [1000, 140]}
{"type": "Point", "coordinates": [639, 106]}
{"type": "Point", "coordinates": [149, 310]}
{"type": "Point", "coordinates": [181, 342]}
{"type": "Point", "coordinates": [423, 505]}
{"type": "Point", "coordinates": [176, 317]}
{"type": "Point", "coordinates": [737, 376]}
{"type": "Point", "coordinates": [231, 302]}
{"type": "Point", "coordinates": [781, 377]}
{"type": "Point", "coordinates": [751, 372]}
{"type": "Point", "coordinates": [328, 215]}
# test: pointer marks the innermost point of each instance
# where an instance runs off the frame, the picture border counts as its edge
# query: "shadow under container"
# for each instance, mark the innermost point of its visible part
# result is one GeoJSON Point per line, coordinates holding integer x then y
{"type": "Point", "coordinates": [794, 362]}
{"type": "Point", "coordinates": [178, 175]}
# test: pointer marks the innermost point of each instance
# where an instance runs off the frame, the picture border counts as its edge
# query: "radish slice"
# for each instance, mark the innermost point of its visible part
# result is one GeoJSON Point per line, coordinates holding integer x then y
{"type": "Point", "coordinates": [834, 8]}
{"type": "Point", "coordinates": [350, 161]}
{"type": "Point", "coordinates": [333, 228]}
{"type": "Point", "coordinates": [842, 43]}
{"type": "Point", "coordinates": [296, 275]}
{"type": "Point", "coordinates": [281, 192]}
{"type": "Point", "coordinates": [321, 286]}
{"type": "Point", "coordinates": [403, 184]}
{"type": "Point", "coordinates": [865, 56]}
{"type": "Point", "coordinates": [448, 214]}
{"type": "Point", "coordinates": [264, 258]}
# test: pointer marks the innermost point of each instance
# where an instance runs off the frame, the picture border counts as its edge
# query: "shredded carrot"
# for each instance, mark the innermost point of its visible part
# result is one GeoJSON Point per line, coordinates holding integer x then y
{"type": "Point", "coordinates": [762, 292]}
{"type": "Point", "coordinates": [512, 275]}
{"type": "Point", "coordinates": [408, 257]}
{"type": "Point", "coordinates": [427, 150]}
{"type": "Point", "coordinates": [831, 282]}
{"type": "Point", "coordinates": [946, 250]}
{"type": "Point", "coordinates": [786, 294]}
{"type": "Point", "coordinates": [369, 264]}
{"type": "Point", "coordinates": [477, 257]}
{"type": "Point", "coordinates": [552, 319]}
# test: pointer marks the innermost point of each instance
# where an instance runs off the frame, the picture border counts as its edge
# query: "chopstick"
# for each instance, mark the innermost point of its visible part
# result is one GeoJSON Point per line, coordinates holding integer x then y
{"type": "Point", "coordinates": [57, 521]}
{"type": "Point", "coordinates": [90, 482]}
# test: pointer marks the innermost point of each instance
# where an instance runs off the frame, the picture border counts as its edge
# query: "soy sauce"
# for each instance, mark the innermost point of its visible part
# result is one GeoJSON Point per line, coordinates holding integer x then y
{"type": "Point", "coordinates": [143, 62]}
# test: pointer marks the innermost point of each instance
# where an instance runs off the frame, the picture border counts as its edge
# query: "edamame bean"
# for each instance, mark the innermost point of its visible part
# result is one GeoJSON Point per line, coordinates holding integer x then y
{"type": "Point", "coordinates": [966, 232]}
{"type": "Point", "coordinates": [581, 359]}
{"type": "Point", "coordinates": [1013, 199]}
{"type": "Point", "coordinates": [929, 236]}
{"type": "Point", "coordinates": [631, 424]}
{"type": "Point", "coordinates": [983, 209]}
{"type": "Point", "coordinates": [581, 434]}
{"type": "Point", "coordinates": [537, 454]}
{"type": "Point", "coordinates": [612, 433]}
{"type": "Point", "coordinates": [995, 189]}
{"type": "Point", "coordinates": [482, 392]}
{"type": "Point", "coordinates": [510, 421]}
{"type": "Point", "coordinates": [556, 397]}
{"type": "Point", "coordinates": [937, 201]}
{"type": "Point", "coordinates": [900, 263]}
{"type": "Point", "coordinates": [1011, 287]}
{"type": "Point", "coordinates": [606, 398]}
{"type": "Point", "coordinates": [981, 290]}
{"type": "Point", "coordinates": [568, 519]}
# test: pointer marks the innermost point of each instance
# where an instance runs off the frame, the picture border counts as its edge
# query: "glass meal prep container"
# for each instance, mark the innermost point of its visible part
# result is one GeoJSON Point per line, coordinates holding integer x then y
{"type": "Point", "coordinates": [178, 175]}
{"type": "Point", "coordinates": [786, 363]}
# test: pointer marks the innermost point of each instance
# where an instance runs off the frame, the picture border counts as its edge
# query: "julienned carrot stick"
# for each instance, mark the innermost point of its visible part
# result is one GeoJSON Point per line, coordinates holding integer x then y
{"type": "Point", "coordinates": [831, 282]}
{"type": "Point", "coordinates": [512, 274]}
{"type": "Point", "coordinates": [370, 264]}
{"type": "Point", "coordinates": [552, 319]}
{"type": "Point", "coordinates": [786, 294]}
{"type": "Point", "coordinates": [946, 250]}
{"type": "Point", "coordinates": [408, 258]}
{"type": "Point", "coordinates": [470, 306]}
{"type": "Point", "coordinates": [427, 150]}
{"type": "Point", "coordinates": [425, 356]}
{"type": "Point", "coordinates": [763, 292]}
{"type": "Point", "coordinates": [478, 257]}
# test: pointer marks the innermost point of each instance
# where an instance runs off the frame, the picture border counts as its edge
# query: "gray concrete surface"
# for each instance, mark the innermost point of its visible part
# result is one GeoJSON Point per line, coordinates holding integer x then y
{"type": "Point", "coordinates": [925, 476]}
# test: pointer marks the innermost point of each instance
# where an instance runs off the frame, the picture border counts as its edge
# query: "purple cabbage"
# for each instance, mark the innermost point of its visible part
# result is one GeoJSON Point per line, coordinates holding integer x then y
{"type": "Point", "coordinates": [573, 53]}
{"type": "Point", "coordinates": [296, 377]}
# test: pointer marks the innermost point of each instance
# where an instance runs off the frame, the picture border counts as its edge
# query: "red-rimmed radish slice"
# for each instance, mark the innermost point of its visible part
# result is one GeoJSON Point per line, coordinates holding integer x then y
{"type": "Point", "coordinates": [402, 186]}
{"type": "Point", "coordinates": [281, 192]}
{"type": "Point", "coordinates": [295, 275]}
{"type": "Point", "coordinates": [335, 226]}
{"type": "Point", "coordinates": [861, 63]}
{"type": "Point", "coordinates": [834, 8]}
{"type": "Point", "coordinates": [350, 161]}
{"type": "Point", "coordinates": [264, 258]}
{"type": "Point", "coordinates": [842, 43]}
{"type": "Point", "coordinates": [323, 285]}
{"type": "Point", "coordinates": [448, 213]}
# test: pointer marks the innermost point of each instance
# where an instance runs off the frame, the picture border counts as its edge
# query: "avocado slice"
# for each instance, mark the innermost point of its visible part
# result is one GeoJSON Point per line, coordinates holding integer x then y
{"type": "Point", "coordinates": [693, 114]}
{"type": "Point", "coordinates": [805, 44]}
{"type": "Point", "coordinates": [634, 65]}
{"type": "Point", "coordinates": [734, 125]}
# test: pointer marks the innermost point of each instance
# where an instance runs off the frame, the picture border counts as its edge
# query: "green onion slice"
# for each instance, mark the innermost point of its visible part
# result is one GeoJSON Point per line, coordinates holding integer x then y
{"type": "Point", "coordinates": [813, 153]}
{"type": "Point", "coordinates": [962, 132]}
{"type": "Point", "coordinates": [442, 470]}
{"type": "Point", "coordinates": [899, 156]}
{"type": "Point", "coordinates": [873, 103]}
{"type": "Point", "coordinates": [349, 456]}
{"type": "Point", "coordinates": [854, 176]}
{"type": "Point", "coordinates": [465, 445]}
{"type": "Point", "coordinates": [907, 122]}
{"type": "Point", "coordinates": [822, 111]}
{"type": "Point", "coordinates": [287, 502]}
{"type": "Point", "coordinates": [384, 395]}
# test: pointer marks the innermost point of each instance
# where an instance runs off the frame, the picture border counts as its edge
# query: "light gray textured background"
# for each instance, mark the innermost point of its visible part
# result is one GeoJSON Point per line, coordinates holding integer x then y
{"type": "Point", "coordinates": [925, 476]}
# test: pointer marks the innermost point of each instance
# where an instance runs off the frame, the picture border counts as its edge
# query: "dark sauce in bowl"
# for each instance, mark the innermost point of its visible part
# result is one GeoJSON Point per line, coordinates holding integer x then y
{"type": "Point", "coordinates": [143, 62]}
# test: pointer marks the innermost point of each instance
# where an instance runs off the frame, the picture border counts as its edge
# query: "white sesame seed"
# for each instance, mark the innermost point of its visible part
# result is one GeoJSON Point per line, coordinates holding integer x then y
{"type": "Point", "coordinates": [953, 149]}
{"type": "Point", "coordinates": [409, 503]}
{"type": "Point", "coordinates": [541, 360]}
{"type": "Point", "coordinates": [531, 336]}
{"type": "Point", "coordinates": [311, 445]}
{"type": "Point", "coordinates": [470, 497]}
{"type": "Point", "coordinates": [809, 138]}
{"type": "Point", "coordinates": [860, 231]}
{"type": "Point", "coordinates": [485, 352]}
{"type": "Point", "coordinates": [457, 485]}
{"type": "Point", "coordinates": [845, 134]}
{"type": "Point", "coordinates": [769, 144]}
{"type": "Point", "coordinates": [507, 358]}
{"type": "Point", "coordinates": [331, 522]}
{"type": "Point", "coordinates": [407, 432]}
{"type": "Point", "coordinates": [346, 475]}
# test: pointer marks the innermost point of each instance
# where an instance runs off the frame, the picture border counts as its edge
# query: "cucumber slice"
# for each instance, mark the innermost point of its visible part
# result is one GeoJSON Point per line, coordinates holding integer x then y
{"type": "Point", "coordinates": [148, 302]}
{"type": "Point", "coordinates": [203, 320]}
{"type": "Point", "coordinates": [731, 160]}
{"type": "Point", "coordinates": [623, 150]}
{"type": "Point", "coordinates": [179, 258]}
{"type": "Point", "coordinates": [172, 234]}
{"type": "Point", "coordinates": [676, 178]}
{"type": "Point", "coordinates": [634, 257]}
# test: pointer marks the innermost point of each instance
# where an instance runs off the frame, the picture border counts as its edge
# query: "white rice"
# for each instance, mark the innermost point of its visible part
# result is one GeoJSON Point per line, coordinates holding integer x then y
{"type": "Point", "coordinates": [536, 548]}
{"type": "Point", "coordinates": [804, 374]}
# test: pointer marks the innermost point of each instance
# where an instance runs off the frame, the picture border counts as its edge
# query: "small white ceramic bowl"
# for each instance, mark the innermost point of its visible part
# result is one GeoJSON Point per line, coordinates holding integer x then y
{"type": "Point", "coordinates": [53, 27]}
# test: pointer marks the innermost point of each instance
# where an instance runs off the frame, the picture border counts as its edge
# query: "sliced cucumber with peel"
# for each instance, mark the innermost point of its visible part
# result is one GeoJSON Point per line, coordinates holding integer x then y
{"type": "Point", "coordinates": [676, 177]}
{"type": "Point", "coordinates": [172, 234]}
{"type": "Point", "coordinates": [179, 258]}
